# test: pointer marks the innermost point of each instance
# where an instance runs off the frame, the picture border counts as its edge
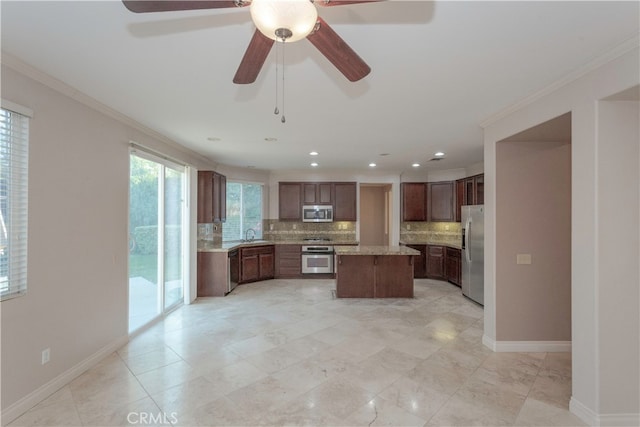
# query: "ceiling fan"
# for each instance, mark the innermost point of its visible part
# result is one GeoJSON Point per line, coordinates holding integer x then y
{"type": "Point", "coordinates": [276, 20]}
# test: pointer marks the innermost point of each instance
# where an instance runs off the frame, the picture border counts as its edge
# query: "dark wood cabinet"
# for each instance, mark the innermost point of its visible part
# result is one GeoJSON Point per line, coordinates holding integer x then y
{"type": "Point", "coordinates": [345, 201]}
{"type": "Point", "coordinates": [435, 262]}
{"type": "Point", "coordinates": [212, 274]}
{"type": "Point", "coordinates": [341, 195]}
{"type": "Point", "coordinates": [288, 263]}
{"type": "Point", "coordinates": [459, 199]}
{"type": "Point", "coordinates": [290, 201]}
{"type": "Point", "coordinates": [414, 201]}
{"type": "Point", "coordinates": [374, 276]}
{"type": "Point", "coordinates": [212, 197]}
{"type": "Point", "coordinates": [317, 193]}
{"type": "Point", "coordinates": [256, 263]}
{"type": "Point", "coordinates": [441, 201]}
{"type": "Point", "coordinates": [356, 276]}
{"type": "Point", "coordinates": [453, 265]}
{"type": "Point", "coordinates": [469, 191]}
{"type": "Point", "coordinates": [419, 261]}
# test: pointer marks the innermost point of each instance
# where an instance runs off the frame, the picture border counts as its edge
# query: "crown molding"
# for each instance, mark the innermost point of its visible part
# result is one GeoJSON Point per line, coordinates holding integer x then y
{"type": "Point", "coordinates": [51, 82]}
{"type": "Point", "coordinates": [616, 52]}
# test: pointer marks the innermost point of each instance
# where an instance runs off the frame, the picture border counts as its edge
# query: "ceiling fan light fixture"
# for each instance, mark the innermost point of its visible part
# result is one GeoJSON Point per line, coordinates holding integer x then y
{"type": "Point", "coordinates": [278, 18]}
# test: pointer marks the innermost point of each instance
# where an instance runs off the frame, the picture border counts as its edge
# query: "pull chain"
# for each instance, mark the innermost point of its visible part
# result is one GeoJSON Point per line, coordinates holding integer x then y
{"type": "Point", "coordinates": [283, 119]}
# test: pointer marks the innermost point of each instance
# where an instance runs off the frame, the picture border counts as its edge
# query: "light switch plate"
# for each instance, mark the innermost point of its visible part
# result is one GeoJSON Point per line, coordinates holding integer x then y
{"type": "Point", "coordinates": [523, 259]}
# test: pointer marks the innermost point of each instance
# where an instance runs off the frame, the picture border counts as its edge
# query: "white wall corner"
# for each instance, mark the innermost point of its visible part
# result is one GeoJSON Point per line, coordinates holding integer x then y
{"type": "Point", "coordinates": [41, 393]}
{"type": "Point", "coordinates": [592, 418]}
{"type": "Point", "coordinates": [489, 342]}
{"type": "Point", "coordinates": [581, 411]}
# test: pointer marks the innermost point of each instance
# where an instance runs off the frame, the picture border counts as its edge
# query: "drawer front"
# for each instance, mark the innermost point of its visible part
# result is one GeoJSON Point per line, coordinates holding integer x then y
{"type": "Point", "coordinates": [436, 250]}
{"type": "Point", "coordinates": [257, 251]}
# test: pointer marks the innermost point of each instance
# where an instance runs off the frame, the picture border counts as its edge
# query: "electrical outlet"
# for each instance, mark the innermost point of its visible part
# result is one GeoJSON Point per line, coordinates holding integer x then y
{"type": "Point", "coordinates": [295, 226]}
{"type": "Point", "coordinates": [408, 226]}
{"type": "Point", "coordinates": [46, 355]}
{"type": "Point", "coordinates": [523, 259]}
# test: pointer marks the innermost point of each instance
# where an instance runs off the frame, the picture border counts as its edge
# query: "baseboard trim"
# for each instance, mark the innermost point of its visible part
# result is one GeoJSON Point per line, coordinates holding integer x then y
{"type": "Point", "coordinates": [594, 419]}
{"type": "Point", "coordinates": [526, 346]}
{"type": "Point", "coordinates": [578, 409]}
{"type": "Point", "coordinates": [41, 393]}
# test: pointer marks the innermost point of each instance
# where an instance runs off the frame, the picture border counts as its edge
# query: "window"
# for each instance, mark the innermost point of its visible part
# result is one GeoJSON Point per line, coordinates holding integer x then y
{"type": "Point", "coordinates": [244, 211]}
{"type": "Point", "coordinates": [14, 156]}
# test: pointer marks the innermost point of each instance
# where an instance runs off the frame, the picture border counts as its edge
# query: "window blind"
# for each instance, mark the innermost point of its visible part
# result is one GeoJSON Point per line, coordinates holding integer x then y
{"type": "Point", "coordinates": [14, 156]}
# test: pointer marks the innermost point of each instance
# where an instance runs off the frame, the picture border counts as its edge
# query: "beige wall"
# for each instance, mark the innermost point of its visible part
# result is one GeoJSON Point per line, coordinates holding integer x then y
{"type": "Point", "coordinates": [77, 297]}
{"type": "Point", "coordinates": [592, 364]}
{"type": "Point", "coordinates": [533, 216]}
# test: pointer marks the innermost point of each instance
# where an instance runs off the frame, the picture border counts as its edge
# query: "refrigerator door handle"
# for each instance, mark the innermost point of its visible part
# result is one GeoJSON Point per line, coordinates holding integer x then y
{"type": "Point", "coordinates": [464, 238]}
{"type": "Point", "coordinates": [467, 229]}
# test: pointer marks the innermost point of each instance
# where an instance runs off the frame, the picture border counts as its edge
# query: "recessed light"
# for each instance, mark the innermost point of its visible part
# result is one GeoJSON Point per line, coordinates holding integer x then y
{"type": "Point", "coordinates": [372, 165]}
{"type": "Point", "coordinates": [313, 153]}
{"type": "Point", "coordinates": [439, 154]}
{"type": "Point", "coordinates": [213, 138]}
{"type": "Point", "coordinates": [314, 164]}
{"type": "Point", "coordinates": [416, 165]}
{"type": "Point", "coordinates": [270, 139]}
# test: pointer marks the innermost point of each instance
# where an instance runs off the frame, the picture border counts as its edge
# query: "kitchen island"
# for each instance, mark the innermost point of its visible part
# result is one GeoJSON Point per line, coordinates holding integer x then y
{"type": "Point", "coordinates": [374, 271]}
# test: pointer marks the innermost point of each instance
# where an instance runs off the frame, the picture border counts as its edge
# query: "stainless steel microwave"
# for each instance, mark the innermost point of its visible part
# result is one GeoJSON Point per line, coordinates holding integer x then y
{"type": "Point", "coordinates": [317, 213]}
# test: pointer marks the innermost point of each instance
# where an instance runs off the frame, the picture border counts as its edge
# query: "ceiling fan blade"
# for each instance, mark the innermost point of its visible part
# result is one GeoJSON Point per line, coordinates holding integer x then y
{"type": "Point", "coordinates": [326, 3]}
{"type": "Point", "coordinates": [338, 52]}
{"type": "Point", "coordinates": [144, 6]}
{"type": "Point", "coordinates": [253, 59]}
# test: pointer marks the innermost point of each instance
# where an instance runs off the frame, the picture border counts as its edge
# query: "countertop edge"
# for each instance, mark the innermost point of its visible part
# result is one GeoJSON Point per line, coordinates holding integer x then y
{"type": "Point", "coordinates": [230, 246]}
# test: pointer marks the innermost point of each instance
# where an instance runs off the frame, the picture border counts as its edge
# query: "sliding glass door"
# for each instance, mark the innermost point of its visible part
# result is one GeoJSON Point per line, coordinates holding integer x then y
{"type": "Point", "coordinates": [156, 237]}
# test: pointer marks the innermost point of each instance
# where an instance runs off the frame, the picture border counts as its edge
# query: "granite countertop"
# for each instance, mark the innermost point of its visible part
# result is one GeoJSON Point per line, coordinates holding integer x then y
{"type": "Point", "coordinates": [375, 250]}
{"type": "Point", "coordinates": [207, 246]}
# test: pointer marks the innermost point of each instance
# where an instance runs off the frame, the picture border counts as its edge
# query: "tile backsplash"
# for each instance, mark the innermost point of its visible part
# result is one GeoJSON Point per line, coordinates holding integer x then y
{"type": "Point", "coordinates": [210, 232]}
{"type": "Point", "coordinates": [276, 230]}
{"type": "Point", "coordinates": [431, 232]}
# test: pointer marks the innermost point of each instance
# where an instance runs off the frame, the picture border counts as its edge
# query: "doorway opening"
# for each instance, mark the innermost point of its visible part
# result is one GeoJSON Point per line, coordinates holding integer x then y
{"type": "Point", "coordinates": [375, 214]}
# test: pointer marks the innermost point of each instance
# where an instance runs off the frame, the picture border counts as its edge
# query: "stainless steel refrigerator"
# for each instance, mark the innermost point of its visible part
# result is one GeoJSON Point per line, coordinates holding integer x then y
{"type": "Point", "coordinates": [473, 252]}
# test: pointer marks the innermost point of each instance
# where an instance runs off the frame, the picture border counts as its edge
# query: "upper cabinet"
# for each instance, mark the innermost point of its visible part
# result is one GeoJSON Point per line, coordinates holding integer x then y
{"type": "Point", "coordinates": [344, 197]}
{"type": "Point", "coordinates": [469, 191]}
{"type": "Point", "coordinates": [317, 193]}
{"type": "Point", "coordinates": [341, 195]}
{"type": "Point", "coordinates": [290, 201]}
{"type": "Point", "coordinates": [212, 197]}
{"type": "Point", "coordinates": [428, 201]}
{"type": "Point", "coordinates": [414, 201]}
{"type": "Point", "coordinates": [441, 198]}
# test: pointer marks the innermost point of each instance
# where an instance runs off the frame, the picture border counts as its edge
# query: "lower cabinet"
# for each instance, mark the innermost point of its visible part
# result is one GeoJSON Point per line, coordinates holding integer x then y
{"type": "Point", "coordinates": [435, 262]}
{"type": "Point", "coordinates": [288, 262]}
{"type": "Point", "coordinates": [419, 266]}
{"type": "Point", "coordinates": [453, 265]}
{"type": "Point", "coordinates": [256, 263]}
{"type": "Point", "coordinates": [374, 276]}
{"type": "Point", "coordinates": [212, 274]}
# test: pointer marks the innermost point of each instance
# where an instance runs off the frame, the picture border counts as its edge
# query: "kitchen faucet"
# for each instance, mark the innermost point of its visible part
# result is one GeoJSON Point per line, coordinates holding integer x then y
{"type": "Point", "coordinates": [246, 235]}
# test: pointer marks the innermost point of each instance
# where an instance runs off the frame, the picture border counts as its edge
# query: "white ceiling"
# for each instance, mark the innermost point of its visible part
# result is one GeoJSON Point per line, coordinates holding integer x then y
{"type": "Point", "coordinates": [438, 70]}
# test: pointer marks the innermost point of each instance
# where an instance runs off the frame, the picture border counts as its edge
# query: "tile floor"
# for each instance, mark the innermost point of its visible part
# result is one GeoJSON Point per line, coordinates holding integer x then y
{"type": "Point", "coordinates": [284, 352]}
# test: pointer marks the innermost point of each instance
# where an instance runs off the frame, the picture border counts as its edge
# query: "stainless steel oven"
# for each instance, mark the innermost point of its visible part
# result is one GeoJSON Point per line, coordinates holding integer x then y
{"type": "Point", "coordinates": [317, 259]}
